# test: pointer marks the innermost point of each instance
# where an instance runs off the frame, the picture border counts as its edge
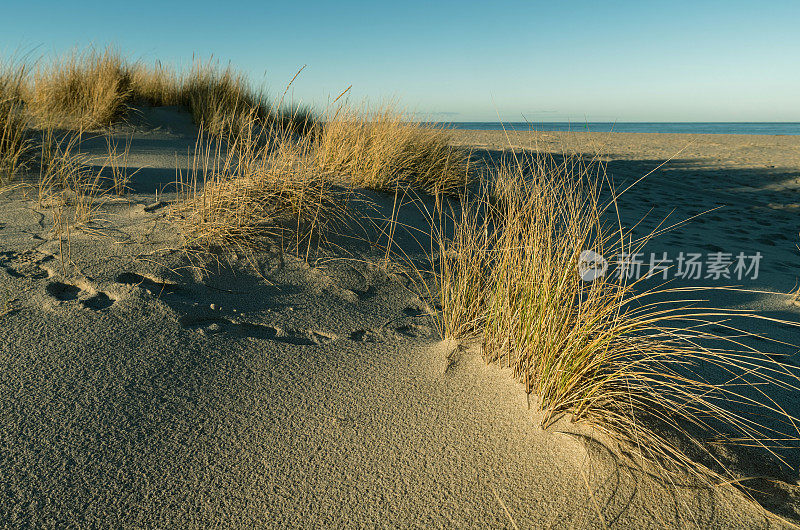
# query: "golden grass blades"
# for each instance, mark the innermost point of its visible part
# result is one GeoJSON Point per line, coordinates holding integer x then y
{"type": "Point", "coordinates": [222, 100]}
{"type": "Point", "coordinates": [15, 142]}
{"type": "Point", "coordinates": [117, 164]}
{"type": "Point", "coordinates": [643, 365]}
{"type": "Point", "coordinates": [156, 85]}
{"type": "Point", "coordinates": [68, 178]}
{"type": "Point", "coordinates": [263, 186]}
{"type": "Point", "coordinates": [383, 149]}
{"type": "Point", "coordinates": [83, 89]}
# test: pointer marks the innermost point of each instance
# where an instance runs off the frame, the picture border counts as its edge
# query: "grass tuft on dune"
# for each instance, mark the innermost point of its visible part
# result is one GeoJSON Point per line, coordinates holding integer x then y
{"type": "Point", "coordinates": [15, 142]}
{"type": "Point", "coordinates": [383, 150]}
{"type": "Point", "coordinates": [608, 352]}
{"type": "Point", "coordinates": [260, 187]}
{"type": "Point", "coordinates": [85, 89]}
{"type": "Point", "coordinates": [90, 89]}
{"type": "Point", "coordinates": [222, 100]}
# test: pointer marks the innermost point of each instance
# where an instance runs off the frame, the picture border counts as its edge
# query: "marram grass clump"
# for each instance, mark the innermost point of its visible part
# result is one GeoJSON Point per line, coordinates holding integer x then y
{"type": "Point", "coordinates": [92, 89]}
{"type": "Point", "coordinates": [609, 353]}
{"type": "Point", "coordinates": [15, 141]}
{"type": "Point", "coordinates": [88, 89]}
{"type": "Point", "coordinates": [267, 178]}
{"type": "Point", "coordinates": [261, 188]}
{"type": "Point", "coordinates": [383, 150]}
{"type": "Point", "coordinates": [85, 89]}
{"type": "Point", "coordinates": [222, 100]}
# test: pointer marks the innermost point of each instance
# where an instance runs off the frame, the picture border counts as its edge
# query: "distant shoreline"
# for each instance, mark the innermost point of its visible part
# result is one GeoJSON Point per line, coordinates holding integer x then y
{"type": "Point", "coordinates": [742, 128]}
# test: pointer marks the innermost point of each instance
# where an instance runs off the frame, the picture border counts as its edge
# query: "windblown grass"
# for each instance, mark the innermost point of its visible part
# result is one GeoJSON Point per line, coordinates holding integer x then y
{"type": "Point", "coordinates": [156, 85]}
{"type": "Point", "coordinates": [383, 150]}
{"type": "Point", "coordinates": [117, 164]}
{"type": "Point", "coordinates": [67, 178]}
{"type": "Point", "coordinates": [608, 352]}
{"type": "Point", "coordinates": [222, 100]}
{"type": "Point", "coordinates": [82, 89]}
{"type": "Point", "coordinates": [260, 188]}
{"type": "Point", "coordinates": [90, 89]}
{"type": "Point", "coordinates": [225, 104]}
{"type": "Point", "coordinates": [266, 178]}
{"type": "Point", "coordinates": [15, 141]}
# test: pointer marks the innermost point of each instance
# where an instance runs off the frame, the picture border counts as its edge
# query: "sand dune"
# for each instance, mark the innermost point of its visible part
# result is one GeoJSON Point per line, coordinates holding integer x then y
{"type": "Point", "coordinates": [136, 391]}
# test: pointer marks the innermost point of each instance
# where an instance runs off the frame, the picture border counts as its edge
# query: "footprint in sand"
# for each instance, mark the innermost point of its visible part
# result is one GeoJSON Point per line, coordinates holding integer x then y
{"type": "Point", "coordinates": [365, 335]}
{"type": "Point", "coordinates": [98, 302]}
{"type": "Point", "coordinates": [66, 292]}
{"type": "Point", "coordinates": [62, 292]}
{"type": "Point", "coordinates": [151, 285]}
{"type": "Point", "coordinates": [24, 265]}
{"type": "Point", "coordinates": [414, 330]}
{"type": "Point", "coordinates": [413, 312]}
{"type": "Point", "coordinates": [213, 324]}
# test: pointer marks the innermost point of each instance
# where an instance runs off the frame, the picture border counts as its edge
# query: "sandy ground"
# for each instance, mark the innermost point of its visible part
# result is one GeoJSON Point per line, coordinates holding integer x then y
{"type": "Point", "coordinates": [136, 392]}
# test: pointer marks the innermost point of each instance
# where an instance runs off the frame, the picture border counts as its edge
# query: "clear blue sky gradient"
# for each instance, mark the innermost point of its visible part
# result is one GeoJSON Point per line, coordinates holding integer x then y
{"type": "Point", "coordinates": [725, 60]}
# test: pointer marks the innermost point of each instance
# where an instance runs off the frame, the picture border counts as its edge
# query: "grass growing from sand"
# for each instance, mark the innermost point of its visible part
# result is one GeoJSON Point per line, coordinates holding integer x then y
{"type": "Point", "coordinates": [607, 352]}
{"type": "Point", "coordinates": [90, 89]}
{"type": "Point", "coordinates": [383, 150]}
{"type": "Point", "coordinates": [263, 185]}
{"type": "Point", "coordinates": [82, 89]}
{"type": "Point", "coordinates": [263, 168]}
{"type": "Point", "coordinates": [14, 139]}
{"type": "Point", "coordinates": [267, 175]}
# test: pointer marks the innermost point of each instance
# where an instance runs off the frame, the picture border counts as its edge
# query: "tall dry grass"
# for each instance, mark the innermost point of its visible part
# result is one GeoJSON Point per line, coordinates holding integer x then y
{"type": "Point", "coordinates": [261, 187]}
{"type": "Point", "coordinates": [609, 352]}
{"type": "Point", "coordinates": [384, 150]}
{"type": "Point", "coordinates": [222, 100]}
{"type": "Point", "coordinates": [89, 89]}
{"type": "Point", "coordinates": [68, 177]}
{"type": "Point", "coordinates": [380, 149]}
{"type": "Point", "coordinates": [267, 177]}
{"type": "Point", "coordinates": [15, 141]}
{"type": "Point", "coordinates": [82, 89]}
{"type": "Point", "coordinates": [157, 85]}
{"type": "Point", "coordinates": [224, 103]}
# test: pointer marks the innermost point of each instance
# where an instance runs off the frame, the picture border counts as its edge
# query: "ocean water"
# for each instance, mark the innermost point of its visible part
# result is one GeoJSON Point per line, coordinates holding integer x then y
{"type": "Point", "coordinates": [776, 128]}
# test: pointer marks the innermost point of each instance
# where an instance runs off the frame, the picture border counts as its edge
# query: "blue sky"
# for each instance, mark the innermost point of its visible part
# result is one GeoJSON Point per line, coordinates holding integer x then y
{"type": "Point", "coordinates": [466, 61]}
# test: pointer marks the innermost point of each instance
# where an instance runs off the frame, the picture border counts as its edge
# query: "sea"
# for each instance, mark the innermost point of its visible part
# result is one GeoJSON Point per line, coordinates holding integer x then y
{"type": "Point", "coordinates": [774, 128]}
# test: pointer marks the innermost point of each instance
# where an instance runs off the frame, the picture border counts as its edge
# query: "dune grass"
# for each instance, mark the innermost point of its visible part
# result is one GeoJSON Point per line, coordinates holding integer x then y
{"type": "Point", "coordinates": [222, 100]}
{"type": "Point", "coordinates": [262, 168]}
{"type": "Point", "coordinates": [384, 150]}
{"type": "Point", "coordinates": [15, 142]}
{"type": "Point", "coordinates": [90, 89]}
{"type": "Point", "coordinates": [69, 177]}
{"type": "Point", "coordinates": [157, 85]}
{"type": "Point", "coordinates": [82, 89]}
{"type": "Point", "coordinates": [261, 187]}
{"type": "Point", "coordinates": [267, 172]}
{"type": "Point", "coordinates": [609, 352]}
{"type": "Point", "coordinates": [268, 183]}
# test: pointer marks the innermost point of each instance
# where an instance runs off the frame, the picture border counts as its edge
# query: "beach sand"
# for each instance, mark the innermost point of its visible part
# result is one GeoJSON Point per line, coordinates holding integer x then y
{"type": "Point", "coordinates": [276, 391]}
